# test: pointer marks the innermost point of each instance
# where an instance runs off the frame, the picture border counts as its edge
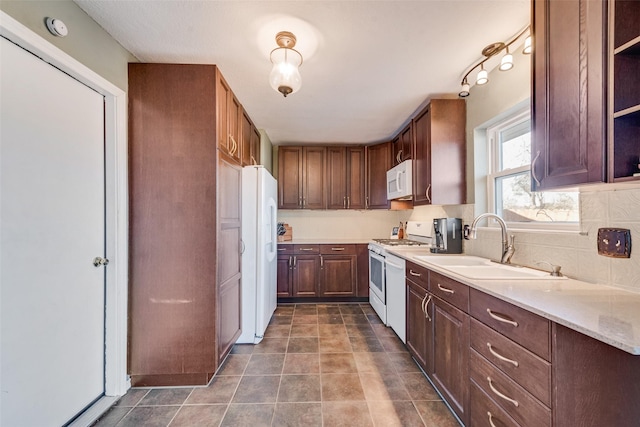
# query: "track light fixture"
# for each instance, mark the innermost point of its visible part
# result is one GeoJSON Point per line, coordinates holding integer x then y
{"type": "Point", "coordinates": [285, 77]}
{"type": "Point", "coordinates": [489, 52]}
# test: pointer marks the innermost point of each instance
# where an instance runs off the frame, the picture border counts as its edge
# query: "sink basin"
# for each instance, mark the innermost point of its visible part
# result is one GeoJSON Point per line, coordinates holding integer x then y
{"type": "Point", "coordinates": [475, 267]}
{"type": "Point", "coordinates": [501, 272]}
{"type": "Point", "coordinates": [453, 260]}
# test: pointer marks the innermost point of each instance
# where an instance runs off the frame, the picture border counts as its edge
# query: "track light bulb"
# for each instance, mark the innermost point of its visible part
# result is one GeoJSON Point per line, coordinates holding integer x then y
{"type": "Point", "coordinates": [507, 61]}
{"type": "Point", "coordinates": [464, 92]}
{"type": "Point", "coordinates": [483, 77]}
{"type": "Point", "coordinates": [527, 46]}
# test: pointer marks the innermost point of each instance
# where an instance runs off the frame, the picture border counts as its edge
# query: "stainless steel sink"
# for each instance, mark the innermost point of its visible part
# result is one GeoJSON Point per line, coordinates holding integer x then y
{"type": "Point", "coordinates": [484, 269]}
{"type": "Point", "coordinates": [455, 260]}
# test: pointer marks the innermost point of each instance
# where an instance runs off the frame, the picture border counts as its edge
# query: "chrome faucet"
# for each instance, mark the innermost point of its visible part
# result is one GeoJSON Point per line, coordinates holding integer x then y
{"type": "Point", "coordinates": [507, 241]}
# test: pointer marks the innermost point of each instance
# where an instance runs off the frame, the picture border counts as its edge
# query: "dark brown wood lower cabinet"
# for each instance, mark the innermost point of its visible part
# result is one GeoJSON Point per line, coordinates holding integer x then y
{"type": "Point", "coordinates": [419, 326]}
{"type": "Point", "coordinates": [451, 356]}
{"type": "Point", "coordinates": [338, 275]}
{"type": "Point", "coordinates": [306, 269]}
{"type": "Point", "coordinates": [285, 276]}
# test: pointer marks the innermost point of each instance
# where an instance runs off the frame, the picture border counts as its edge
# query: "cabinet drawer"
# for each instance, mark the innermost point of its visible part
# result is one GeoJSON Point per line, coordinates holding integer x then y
{"type": "Point", "coordinates": [417, 274]}
{"type": "Point", "coordinates": [338, 249]}
{"type": "Point", "coordinates": [515, 400]}
{"type": "Point", "coordinates": [485, 412]}
{"type": "Point", "coordinates": [285, 249]}
{"type": "Point", "coordinates": [527, 329]}
{"type": "Point", "coordinates": [449, 290]}
{"type": "Point", "coordinates": [524, 367]}
{"type": "Point", "coordinates": [306, 249]}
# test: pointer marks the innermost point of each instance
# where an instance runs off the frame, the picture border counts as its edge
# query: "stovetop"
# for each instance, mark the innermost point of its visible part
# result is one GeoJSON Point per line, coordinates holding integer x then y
{"type": "Point", "coordinates": [399, 242]}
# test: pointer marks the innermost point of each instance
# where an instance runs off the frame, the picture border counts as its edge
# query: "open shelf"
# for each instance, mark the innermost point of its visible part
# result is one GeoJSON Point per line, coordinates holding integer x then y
{"type": "Point", "coordinates": [624, 144]}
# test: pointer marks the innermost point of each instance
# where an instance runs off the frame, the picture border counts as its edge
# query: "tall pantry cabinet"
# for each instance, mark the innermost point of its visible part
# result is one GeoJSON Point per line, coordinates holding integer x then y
{"type": "Point", "coordinates": [184, 281]}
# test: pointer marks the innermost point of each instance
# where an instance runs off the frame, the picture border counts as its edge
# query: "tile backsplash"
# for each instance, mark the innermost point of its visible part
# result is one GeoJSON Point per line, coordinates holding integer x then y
{"type": "Point", "coordinates": [577, 253]}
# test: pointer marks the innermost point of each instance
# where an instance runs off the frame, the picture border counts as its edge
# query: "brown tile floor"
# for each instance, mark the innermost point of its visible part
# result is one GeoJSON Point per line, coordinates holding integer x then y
{"type": "Point", "coordinates": [318, 365]}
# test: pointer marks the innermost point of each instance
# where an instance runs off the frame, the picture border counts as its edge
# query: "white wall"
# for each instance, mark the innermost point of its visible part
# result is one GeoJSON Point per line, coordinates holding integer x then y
{"type": "Point", "coordinates": [342, 224]}
{"type": "Point", "coordinates": [87, 41]}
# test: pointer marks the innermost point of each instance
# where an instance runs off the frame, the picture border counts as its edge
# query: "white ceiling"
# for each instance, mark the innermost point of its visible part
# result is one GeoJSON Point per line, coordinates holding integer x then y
{"type": "Point", "coordinates": [368, 65]}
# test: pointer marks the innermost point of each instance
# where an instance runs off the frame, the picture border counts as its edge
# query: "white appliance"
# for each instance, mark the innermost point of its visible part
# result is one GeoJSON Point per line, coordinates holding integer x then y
{"type": "Point", "coordinates": [259, 228]}
{"type": "Point", "coordinates": [387, 289]}
{"type": "Point", "coordinates": [399, 181]}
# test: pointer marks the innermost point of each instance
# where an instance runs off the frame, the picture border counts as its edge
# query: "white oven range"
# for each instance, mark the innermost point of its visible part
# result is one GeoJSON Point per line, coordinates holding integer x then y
{"type": "Point", "coordinates": [387, 275]}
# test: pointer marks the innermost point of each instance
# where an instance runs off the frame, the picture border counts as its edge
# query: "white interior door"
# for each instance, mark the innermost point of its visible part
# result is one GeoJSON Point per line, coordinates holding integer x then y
{"type": "Point", "coordinates": [52, 226]}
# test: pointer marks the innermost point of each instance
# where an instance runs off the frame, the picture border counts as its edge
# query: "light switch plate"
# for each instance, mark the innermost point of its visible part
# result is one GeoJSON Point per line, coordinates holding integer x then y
{"type": "Point", "coordinates": [614, 242]}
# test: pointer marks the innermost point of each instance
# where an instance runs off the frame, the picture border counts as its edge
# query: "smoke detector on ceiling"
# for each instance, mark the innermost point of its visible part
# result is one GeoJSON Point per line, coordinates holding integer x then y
{"type": "Point", "coordinates": [56, 27]}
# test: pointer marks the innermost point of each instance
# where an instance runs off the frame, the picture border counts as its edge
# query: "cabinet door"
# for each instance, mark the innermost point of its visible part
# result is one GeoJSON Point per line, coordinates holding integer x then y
{"type": "Point", "coordinates": [305, 275]}
{"type": "Point", "coordinates": [355, 178]}
{"type": "Point", "coordinates": [422, 159]}
{"type": "Point", "coordinates": [378, 163]}
{"type": "Point", "coordinates": [396, 150]}
{"type": "Point", "coordinates": [447, 151]}
{"type": "Point", "coordinates": [338, 275]}
{"type": "Point", "coordinates": [284, 266]}
{"type": "Point", "coordinates": [235, 124]}
{"type": "Point", "coordinates": [313, 187]}
{"type": "Point", "coordinates": [569, 87]}
{"type": "Point", "coordinates": [229, 254]}
{"type": "Point", "coordinates": [451, 356]}
{"type": "Point", "coordinates": [336, 178]}
{"type": "Point", "coordinates": [223, 93]}
{"type": "Point", "coordinates": [406, 143]}
{"type": "Point", "coordinates": [419, 326]}
{"type": "Point", "coordinates": [245, 139]}
{"type": "Point", "coordinates": [255, 146]}
{"type": "Point", "coordinates": [290, 177]}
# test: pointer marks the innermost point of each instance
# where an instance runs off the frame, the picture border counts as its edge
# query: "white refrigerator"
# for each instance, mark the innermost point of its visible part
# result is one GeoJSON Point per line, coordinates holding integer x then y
{"type": "Point", "coordinates": [259, 263]}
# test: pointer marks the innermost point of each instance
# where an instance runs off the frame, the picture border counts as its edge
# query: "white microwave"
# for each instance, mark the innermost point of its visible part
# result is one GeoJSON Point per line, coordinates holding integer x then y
{"type": "Point", "coordinates": [399, 181]}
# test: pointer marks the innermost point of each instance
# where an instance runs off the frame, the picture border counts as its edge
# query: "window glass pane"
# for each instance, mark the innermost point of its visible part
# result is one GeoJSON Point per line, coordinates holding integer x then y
{"type": "Point", "coordinates": [515, 202]}
{"type": "Point", "coordinates": [515, 145]}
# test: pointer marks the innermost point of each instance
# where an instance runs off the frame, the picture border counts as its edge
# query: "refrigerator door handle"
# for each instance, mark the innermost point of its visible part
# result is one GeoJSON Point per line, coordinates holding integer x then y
{"type": "Point", "coordinates": [273, 232]}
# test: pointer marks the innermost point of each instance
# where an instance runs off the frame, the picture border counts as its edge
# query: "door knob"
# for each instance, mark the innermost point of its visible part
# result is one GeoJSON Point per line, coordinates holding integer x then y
{"type": "Point", "coordinates": [98, 261]}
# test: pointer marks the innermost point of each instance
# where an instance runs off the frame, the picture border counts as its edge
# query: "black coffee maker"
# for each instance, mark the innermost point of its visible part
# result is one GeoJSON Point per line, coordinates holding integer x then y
{"type": "Point", "coordinates": [447, 236]}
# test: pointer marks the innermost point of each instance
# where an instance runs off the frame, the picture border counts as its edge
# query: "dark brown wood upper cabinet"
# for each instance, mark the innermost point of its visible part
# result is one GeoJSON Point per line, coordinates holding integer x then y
{"type": "Point", "coordinates": [569, 93]}
{"type": "Point", "coordinates": [246, 133]}
{"type": "Point", "coordinates": [439, 158]}
{"type": "Point", "coordinates": [301, 174]}
{"type": "Point", "coordinates": [402, 145]}
{"type": "Point", "coordinates": [345, 178]}
{"type": "Point", "coordinates": [228, 120]}
{"type": "Point", "coordinates": [378, 163]}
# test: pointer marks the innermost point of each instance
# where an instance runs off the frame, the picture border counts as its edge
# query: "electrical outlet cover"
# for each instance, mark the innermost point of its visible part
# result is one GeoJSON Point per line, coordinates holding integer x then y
{"type": "Point", "coordinates": [614, 242]}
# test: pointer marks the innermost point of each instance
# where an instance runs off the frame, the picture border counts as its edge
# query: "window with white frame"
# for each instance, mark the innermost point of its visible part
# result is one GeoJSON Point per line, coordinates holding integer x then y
{"type": "Point", "coordinates": [509, 179]}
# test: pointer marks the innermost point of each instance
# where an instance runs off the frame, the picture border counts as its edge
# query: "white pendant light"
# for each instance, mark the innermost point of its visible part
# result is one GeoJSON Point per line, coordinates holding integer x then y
{"type": "Point", "coordinates": [483, 76]}
{"type": "Point", "coordinates": [285, 76]}
{"type": "Point", "coordinates": [464, 92]}
{"type": "Point", "coordinates": [527, 46]}
{"type": "Point", "coordinates": [507, 61]}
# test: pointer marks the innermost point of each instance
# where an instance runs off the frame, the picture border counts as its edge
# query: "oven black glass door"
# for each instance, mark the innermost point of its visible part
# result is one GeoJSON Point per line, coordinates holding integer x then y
{"type": "Point", "coordinates": [376, 275]}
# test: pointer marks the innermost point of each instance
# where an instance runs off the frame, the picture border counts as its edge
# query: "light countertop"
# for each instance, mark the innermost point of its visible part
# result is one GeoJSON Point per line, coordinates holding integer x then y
{"type": "Point", "coordinates": [325, 241]}
{"type": "Point", "coordinates": [608, 314]}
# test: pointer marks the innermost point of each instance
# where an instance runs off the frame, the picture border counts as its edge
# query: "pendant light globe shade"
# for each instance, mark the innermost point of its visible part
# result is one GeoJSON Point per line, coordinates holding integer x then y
{"type": "Point", "coordinates": [482, 78]}
{"type": "Point", "coordinates": [527, 46]}
{"type": "Point", "coordinates": [507, 62]}
{"type": "Point", "coordinates": [464, 92]}
{"type": "Point", "coordinates": [285, 76]}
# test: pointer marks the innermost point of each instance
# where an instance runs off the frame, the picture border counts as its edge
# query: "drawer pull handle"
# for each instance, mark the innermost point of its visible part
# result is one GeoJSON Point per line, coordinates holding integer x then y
{"type": "Point", "coordinates": [413, 273]}
{"type": "Point", "coordinates": [502, 319]}
{"type": "Point", "coordinates": [282, 249]}
{"type": "Point", "coordinates": [423, 301]}
{"type": "Point", "coordinates": [491, 419]}
{"type": "Point", "coordinates": [501, 357]}
{"type": "Point", "coordinates": [337, 249]}
{"type": "Point", "coordinates": [447, 290]}
{"type": "Point", "coordinates": [507, 398]}
{"type": "Point", "coordinates": [426, 309]}
{"type": "Point", "coordinates": [306, 249]}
